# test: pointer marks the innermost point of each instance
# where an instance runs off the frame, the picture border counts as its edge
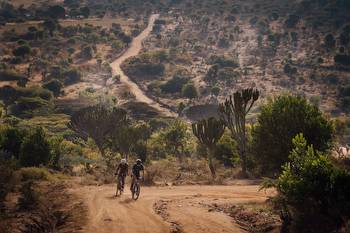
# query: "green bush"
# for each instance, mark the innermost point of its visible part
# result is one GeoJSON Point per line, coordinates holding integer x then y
{"type": "Point", "coordinates": [34, 173]}
{"type": "Point", "coordinates": [71, 76]}
{"type": "Point", "coordinates": [314, 194]}
{"type": "Point", "coordinates": [342, 59]}
{"type": "Point", "coordinates": [55, 86]}
{"type": "Point", "coordinates": [21, 51]}
{"type": "Point", "coordinates": [35, 149]}
{"type": "Point", "coordinates": [28, 106]}
{"type": "Point", "coordinates": [9, 75]}
{"type": "Point", "coordinates": [226, 150]}
{"type": "Point", "coordinates": [278, 122]}
{"type": "Point", "coordinates": [190, 91]}
{"type": "Point", "coordinates": [11, 139]}
{"type": "Point", "coordinates": [175, 84]}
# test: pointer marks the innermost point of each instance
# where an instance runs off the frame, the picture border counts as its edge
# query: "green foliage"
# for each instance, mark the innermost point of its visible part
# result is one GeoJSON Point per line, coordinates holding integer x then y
{"type": "Point", "coordinates": [313, 192]}
{"type": "Point", "coordinates": [208, 132]}
{"type": "Point", "coordinates": [292, 21]}
{"type": "Point", "coordinates": [278, 122]}
{"type": "Point", "coordinates": [55, 86]}
{"type": "Point", "coordinates": [344, 96]}
{"type": "Point", "coordinates": [35, 149]}
{"type": "Point", "coordinates": [176, 83]}
{"type": "Point", "coordinates": [9, 75]}
{"type": "Point", "coordinates": [173, 140]}
{"type": "Point", "coordinates": [29, 106]}
{"type": "Point", "coordinates": [329, 41]}
{"type": "Point", "coordinates": [11, 139]}
{"type": "Point", "coordinates": [146, 65]}
{"type": "Point", "coordinates": [233, 113]}
{"type": "Point", "coordinates": [226, 150]}
{"type": "Point", "coordinates": [342, 59]}
{"type": "Point", "coordinates": [56, 12]}
{"type": "Point", "coordinates": [98, 122]}
{"type": "Point", "coordinates": [190, 91]}
{"type": "Point", "coordinates": [223, 61]}
{"type": "Point", "coordinates": [21, 51]}
{"type": "Point", "coordinates": [34, 173]}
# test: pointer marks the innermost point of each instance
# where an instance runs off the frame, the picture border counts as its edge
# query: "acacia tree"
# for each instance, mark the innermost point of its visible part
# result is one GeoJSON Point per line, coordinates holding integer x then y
{"type": "Point", "coordinates": [233, 113]}
{"type": "Point", "coordinates": [209, 131]}
{"type": "Point", "coordinates": [97, 122]}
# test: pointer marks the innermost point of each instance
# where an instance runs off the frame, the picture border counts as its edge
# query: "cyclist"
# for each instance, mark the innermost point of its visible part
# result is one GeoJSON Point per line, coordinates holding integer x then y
{"type": "Point", "coordinates": [136, 169]}
{"type": "Point", "coordinates": [122, 171]}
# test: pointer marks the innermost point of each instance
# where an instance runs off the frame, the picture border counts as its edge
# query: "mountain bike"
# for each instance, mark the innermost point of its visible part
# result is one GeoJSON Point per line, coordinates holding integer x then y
{"type": "Point", "coordinates": [120, 188]}
{"type": "Point", "coordinates": [136, 189]}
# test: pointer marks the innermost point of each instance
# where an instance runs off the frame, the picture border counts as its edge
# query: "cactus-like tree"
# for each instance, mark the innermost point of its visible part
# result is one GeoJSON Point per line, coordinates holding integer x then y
{"type": "Point", "coordinates": [209, 131]}
{"type": "Point", "coordinates": [233, 113]}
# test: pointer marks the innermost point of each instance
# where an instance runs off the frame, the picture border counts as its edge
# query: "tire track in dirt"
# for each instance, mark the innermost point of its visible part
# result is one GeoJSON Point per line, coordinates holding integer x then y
{"type": "Point", "coordinates": [183, 210]}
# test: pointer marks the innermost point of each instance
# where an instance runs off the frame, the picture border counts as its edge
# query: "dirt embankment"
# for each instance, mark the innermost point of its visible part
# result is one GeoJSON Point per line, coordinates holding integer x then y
{"type": "Point", "coordinates": [166, 209]}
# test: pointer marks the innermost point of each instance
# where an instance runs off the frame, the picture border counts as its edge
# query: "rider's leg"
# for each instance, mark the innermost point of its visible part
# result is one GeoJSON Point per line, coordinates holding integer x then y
{"type": "Point", "coordinates": [123, 182]}
{"type": "Point", "coordinates": [132, 183]}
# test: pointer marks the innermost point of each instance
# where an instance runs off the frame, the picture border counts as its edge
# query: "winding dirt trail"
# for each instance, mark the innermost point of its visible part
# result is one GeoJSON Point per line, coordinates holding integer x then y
{"type": "Point", "coordinates": [179, 209]}
{"type": "Point", "coordinates": [133, 50]}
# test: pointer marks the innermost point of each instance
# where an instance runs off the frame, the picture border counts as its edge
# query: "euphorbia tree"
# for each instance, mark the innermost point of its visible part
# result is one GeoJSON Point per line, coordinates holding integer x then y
{"type": "Point", "coordinates": [209, 131]}
{"type": "Point", "coordinates": [233, 112]}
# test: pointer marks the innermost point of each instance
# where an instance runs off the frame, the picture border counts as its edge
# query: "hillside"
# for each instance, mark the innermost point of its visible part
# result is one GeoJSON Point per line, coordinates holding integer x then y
{"type": "Point", "coordinates": [174, 116]}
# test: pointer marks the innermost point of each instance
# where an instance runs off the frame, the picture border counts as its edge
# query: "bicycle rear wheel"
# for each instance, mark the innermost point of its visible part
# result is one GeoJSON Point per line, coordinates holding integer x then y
{"type": "Point", "coordinates": [136, 191]}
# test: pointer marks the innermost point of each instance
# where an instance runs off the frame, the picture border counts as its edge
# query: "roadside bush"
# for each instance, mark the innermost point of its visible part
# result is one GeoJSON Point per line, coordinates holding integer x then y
{"type": "Point", "coordinates": [146, 65]}
{"type": "Point", "coordinates": [313, 193]}
{"type": "Point", "coordinates": [35, 149]}
{"type": "Point", "coordinates": [278, 122]}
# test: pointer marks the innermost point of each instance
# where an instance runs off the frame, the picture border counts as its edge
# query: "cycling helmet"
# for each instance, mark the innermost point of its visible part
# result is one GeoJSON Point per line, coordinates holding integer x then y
{"type": "Point", "coordinates": [123, 161]}
{"type": "Point", "coordinates": [138, 161]}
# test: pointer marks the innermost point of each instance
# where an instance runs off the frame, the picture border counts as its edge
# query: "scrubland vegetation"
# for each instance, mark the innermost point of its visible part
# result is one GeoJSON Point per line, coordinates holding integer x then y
{"type": "Point", "coordinates": [261, 89]}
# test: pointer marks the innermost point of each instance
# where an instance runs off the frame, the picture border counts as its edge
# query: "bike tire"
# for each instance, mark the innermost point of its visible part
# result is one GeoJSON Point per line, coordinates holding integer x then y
{"type": "Point", "coordinates": [136, 191]}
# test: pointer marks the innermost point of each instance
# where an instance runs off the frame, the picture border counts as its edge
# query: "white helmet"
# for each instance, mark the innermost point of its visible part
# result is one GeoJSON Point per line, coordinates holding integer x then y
{"type": "Point", "coordinates": [123, 161]}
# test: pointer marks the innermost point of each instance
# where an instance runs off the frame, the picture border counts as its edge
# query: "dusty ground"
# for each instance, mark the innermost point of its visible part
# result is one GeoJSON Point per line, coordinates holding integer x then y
{"type": "Point", "coordinates": [165, 209]}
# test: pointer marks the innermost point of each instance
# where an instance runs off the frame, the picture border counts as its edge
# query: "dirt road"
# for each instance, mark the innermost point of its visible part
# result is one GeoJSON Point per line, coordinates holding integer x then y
{"type": "Point", "coordinates": [165, 209]}
{"type": "Point", "coordinates": [134, 49]}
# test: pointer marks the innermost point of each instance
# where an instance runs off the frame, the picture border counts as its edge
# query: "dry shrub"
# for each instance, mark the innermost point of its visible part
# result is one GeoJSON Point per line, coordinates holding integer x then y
{"type": "Point", "coordinates": [34, 173]}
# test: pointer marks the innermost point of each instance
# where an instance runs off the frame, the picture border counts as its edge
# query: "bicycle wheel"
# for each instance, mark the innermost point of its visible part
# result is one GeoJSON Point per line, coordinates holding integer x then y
{"type": "Point", "coordinates": [136, 191]}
